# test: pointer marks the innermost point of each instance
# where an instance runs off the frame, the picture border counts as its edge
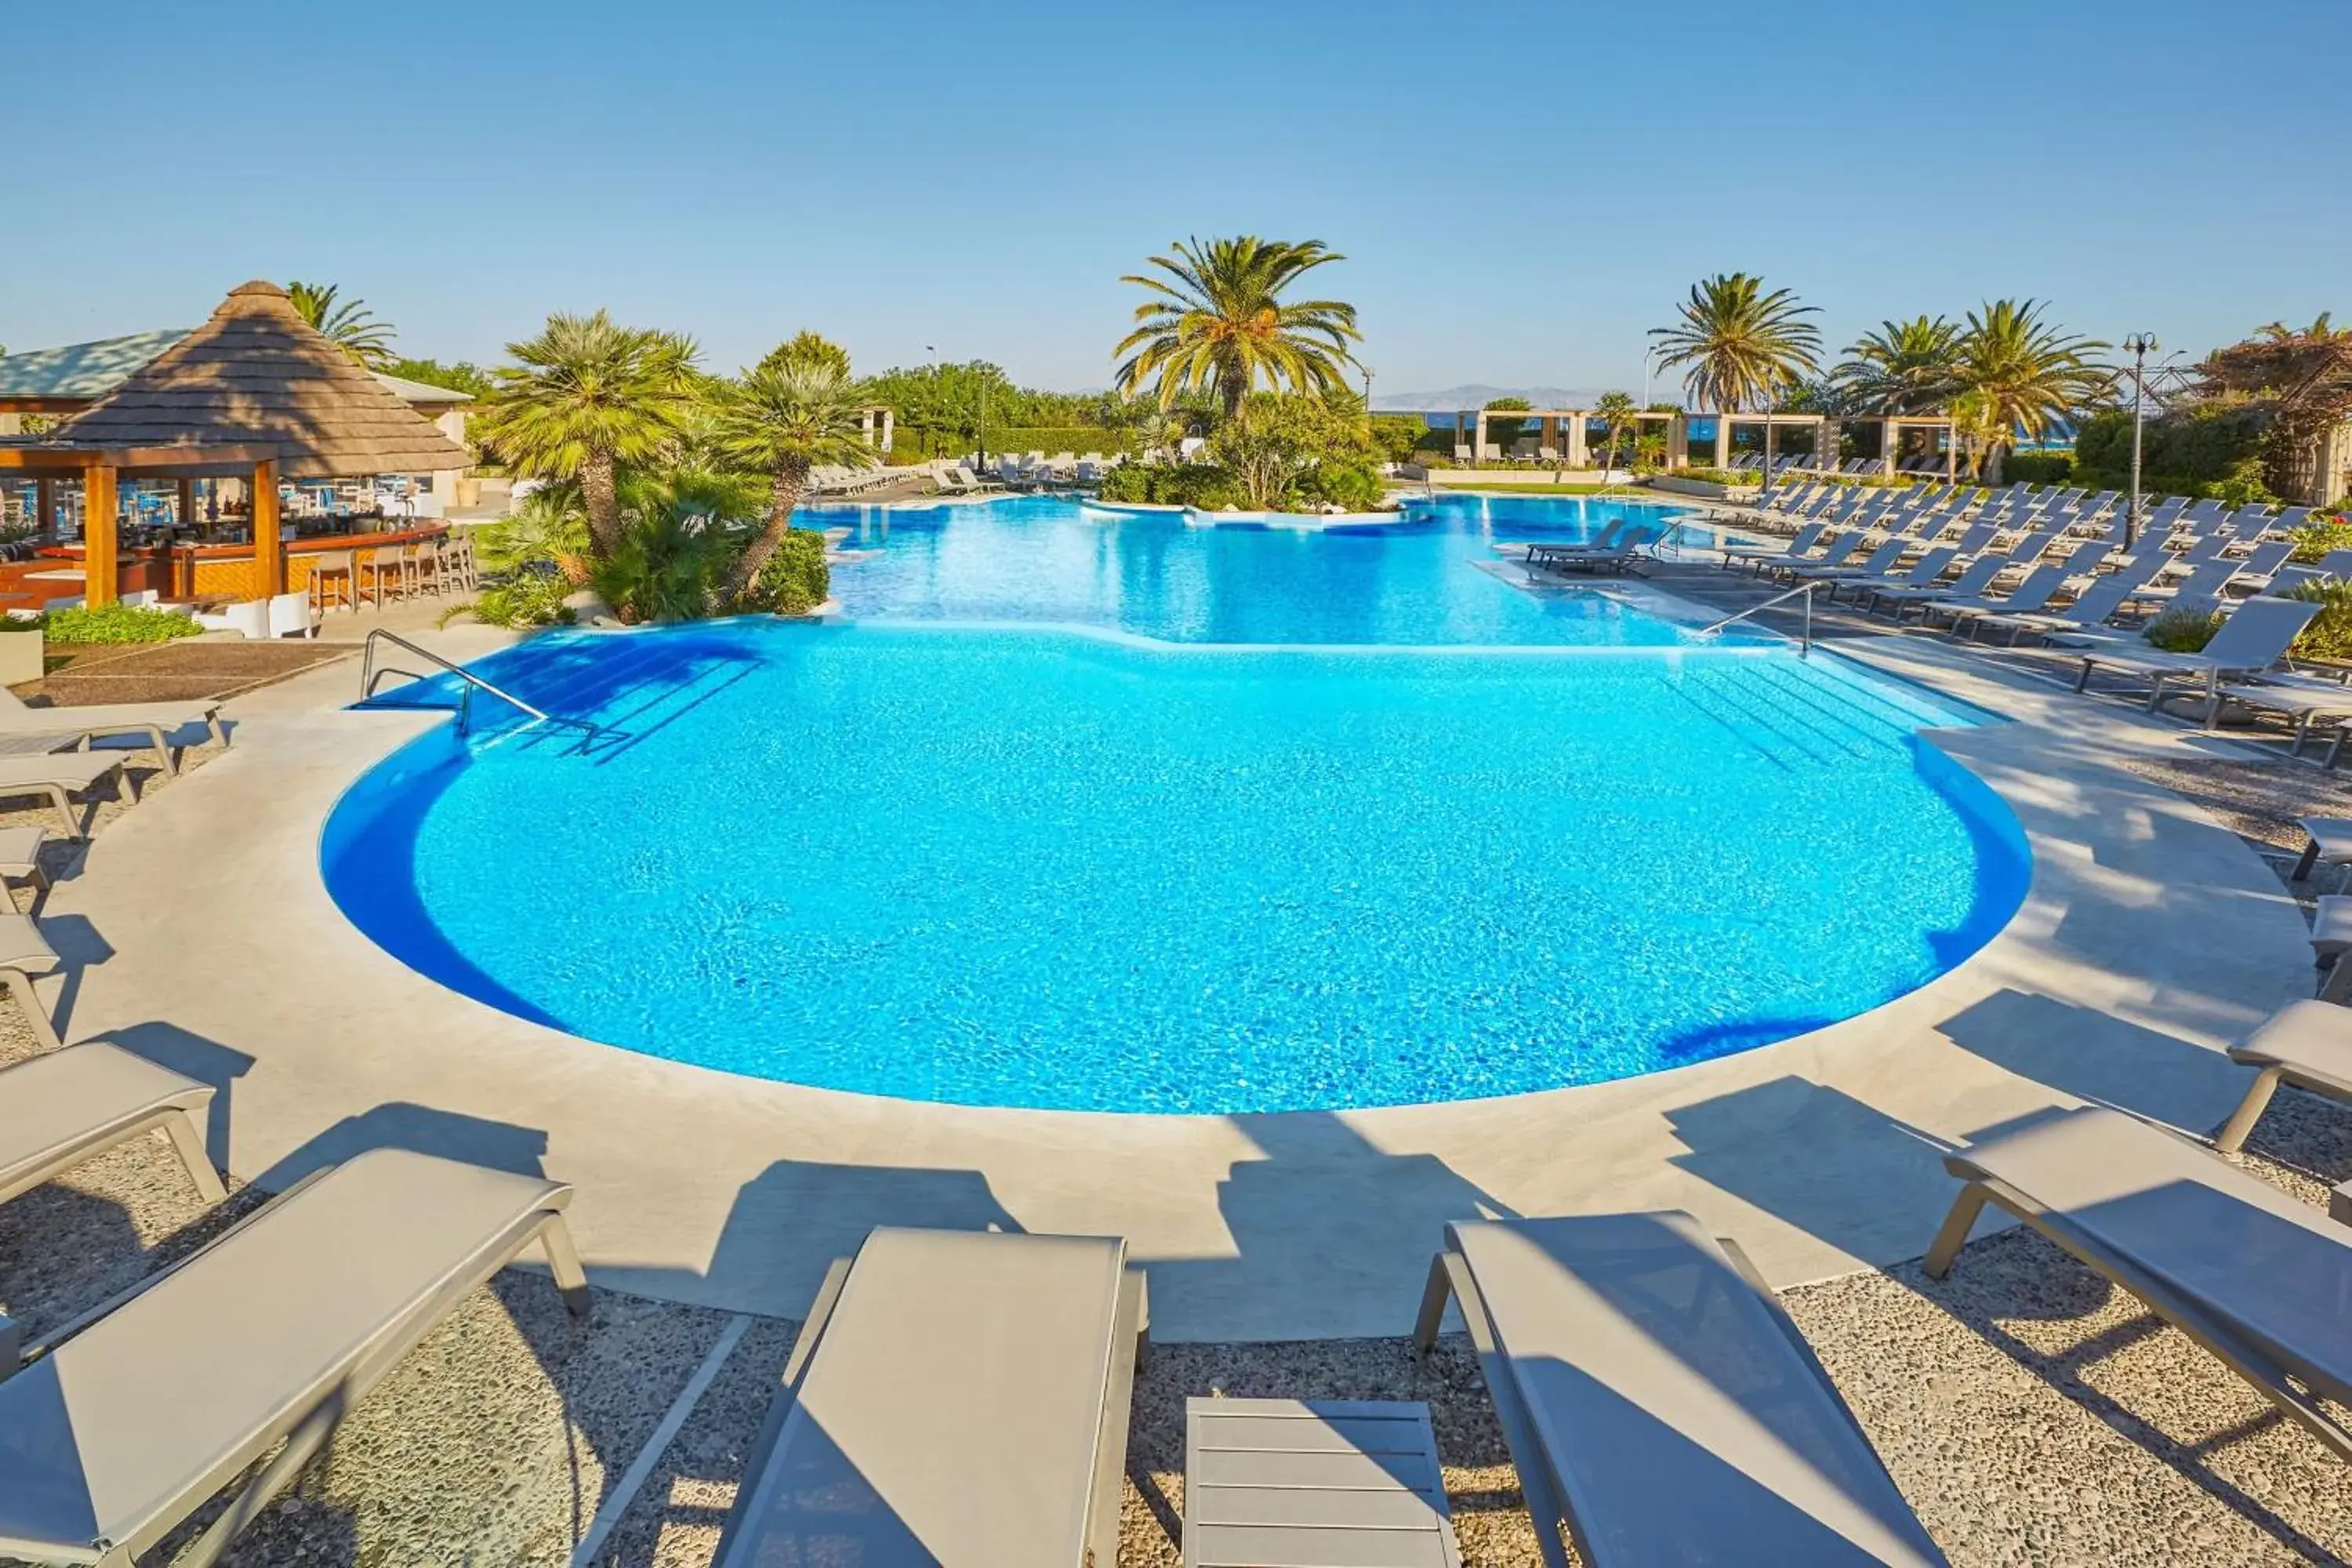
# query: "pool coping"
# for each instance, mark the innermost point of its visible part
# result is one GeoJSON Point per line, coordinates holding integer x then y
{"type": "Point", "coordinates": [199, 931]}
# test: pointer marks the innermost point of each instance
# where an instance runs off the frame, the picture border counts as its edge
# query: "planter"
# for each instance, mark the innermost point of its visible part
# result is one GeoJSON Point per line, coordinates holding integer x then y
{"type": "Point", "coordinates": [20, 656]}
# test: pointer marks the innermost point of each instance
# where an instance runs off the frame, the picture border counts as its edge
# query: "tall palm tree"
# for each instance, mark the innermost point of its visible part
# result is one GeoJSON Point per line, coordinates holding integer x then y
{"type": "Point", "coordinates": [785, 416]}
{"type": "Point", "coordinates": [1744, 346]}
{"type": "Point", "coordinates": [586, 395]}
{"type": "Point", "coordinates": [1217, 321]}
{"type": "Point", "coordinates": [2028, 374]}
{"type": "Point", "coordinates": [1616, 410]}
{"type": "Point", "coordinates": [346, 322]}
{"type": "Point", "coordinates": [1903, 367]}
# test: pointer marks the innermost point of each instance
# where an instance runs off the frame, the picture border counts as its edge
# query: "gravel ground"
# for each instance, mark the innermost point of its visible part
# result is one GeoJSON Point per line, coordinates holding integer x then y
{"type": "Point", "coordinates": [2032, 1414]}
{"type": "Point", "coordinates": [187, 669]}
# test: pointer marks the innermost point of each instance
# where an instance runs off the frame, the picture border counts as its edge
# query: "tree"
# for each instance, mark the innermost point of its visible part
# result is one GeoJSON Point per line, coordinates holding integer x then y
{"type": "Point", "coordinates": [1217, 321]}
{"type": "Point", "coordinates": [1274, 438]}
{"type": "Point", "coordinates": [347, 324]}
{"type": "Point", "coordinates": [589, 394]}
{"type": "Point", "coordinates": [1903, 367]}
{"type": "Point", "coordinates": [807, 349]}
{"type": "Point", "coordinates": [785, 416]}
{"type": "Point", "coordinates": [463, 376]}
{"type": "Point", "coordinates": [1504, 433]}
{"type": "Point", "coordinates": [2027, 374]}
{"type": "Point", "coordinates": [1617, 418]}
{"type": "Point", "coordinates": [2301, 381]}
{"type": "Point", "coordinates": [1742, 345]}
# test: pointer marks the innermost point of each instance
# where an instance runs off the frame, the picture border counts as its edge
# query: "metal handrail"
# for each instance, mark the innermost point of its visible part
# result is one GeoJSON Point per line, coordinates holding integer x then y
{"type": "Point", "coordinates": [1803, 591]}
{"type": "Point", "coordinates": [468, 683]}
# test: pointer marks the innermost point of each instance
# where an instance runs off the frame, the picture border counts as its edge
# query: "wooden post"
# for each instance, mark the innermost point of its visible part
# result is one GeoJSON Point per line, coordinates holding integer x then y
{"type": "Point", "coordinates": [187, 504]}
{"type": "Point", "coordinates": [47, 499]}
{"type": "Point", "coordinates": [102, 573]}
{"type": "Point", "coordinates": [268, 550]}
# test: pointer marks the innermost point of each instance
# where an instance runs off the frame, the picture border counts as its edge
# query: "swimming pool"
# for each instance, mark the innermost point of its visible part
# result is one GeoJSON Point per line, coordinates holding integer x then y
{"type": "Point", "coordinates": [1072, 869]}
{"type": "Point", "coordinates": [1415, 582]}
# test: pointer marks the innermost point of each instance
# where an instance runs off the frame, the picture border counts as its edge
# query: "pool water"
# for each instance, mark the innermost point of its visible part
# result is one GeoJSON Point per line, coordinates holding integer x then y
{"type": "Point", "coordinates": [1054, 559]}
{"type": "Point", "coordinates": [1043, 866]}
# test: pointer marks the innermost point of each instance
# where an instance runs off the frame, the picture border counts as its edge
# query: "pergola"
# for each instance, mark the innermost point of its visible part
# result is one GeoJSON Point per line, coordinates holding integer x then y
{"type": "Point", "coordinates": [1553, 423]}
{"type": "Point", "coordinates": [255, 394]}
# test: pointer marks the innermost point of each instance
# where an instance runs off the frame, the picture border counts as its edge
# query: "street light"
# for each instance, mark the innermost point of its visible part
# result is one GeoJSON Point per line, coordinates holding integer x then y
{"type": "Point", "coordinates": [2139, 345]}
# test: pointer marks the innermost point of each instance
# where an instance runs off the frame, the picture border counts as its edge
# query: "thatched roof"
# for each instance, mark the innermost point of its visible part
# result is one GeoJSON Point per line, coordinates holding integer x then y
{"type": "Point", "coordinates": [257, 374]}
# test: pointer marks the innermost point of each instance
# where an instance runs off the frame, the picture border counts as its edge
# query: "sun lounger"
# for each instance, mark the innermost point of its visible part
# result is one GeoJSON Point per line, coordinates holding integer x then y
{"type": "Point", "coordinates": [1806, 538]}
{"type": "Point", "coordinates": [1966, 585]}
{"type": "Point", "coordinates": [1659, 1403]}
{"type": "Point", "coordinates": [63, 1107]}
{"type": "Point", "coordinates": [2254, 637]}
{"type": "Point", "coordinates": [1877, 563]}
{"type": "Point", "coordinates": [1290, 1483]}
{"type": "Point", "coordinates": [2304, 698]}
{"type": "Point", "coordinates": [132, 1419]}
{"type": "Point", "coordinates": [2040, 587]}
{"type": "Point", "coordinates": [155, 721]}
{"type": "Point", "coordinates": [1625, 555]}
{"type": "Point", "coordinates": [2102, 598]}
{"type": "Point", "coordinates": [956, 1397]}
{"type": "Point", "coordinates": [2255, 1277]}
{"type": "Point", "coordinates": [1918, 574]}
{"type": "Point", "coordinates": [2307, 1044]}
{"type": "Point", "coordinates": [20, 859]}
{"type": "Point", "coordinates": [59, 774]}
{"type": "Point", "coordinates": [2330, 844]}
{"type": "Point", "coordinates": [24, 953]}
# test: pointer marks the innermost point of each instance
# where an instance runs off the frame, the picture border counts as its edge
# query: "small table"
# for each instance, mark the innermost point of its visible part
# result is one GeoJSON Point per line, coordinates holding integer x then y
{"type": "Point", "coordinates": [1290, 1483]}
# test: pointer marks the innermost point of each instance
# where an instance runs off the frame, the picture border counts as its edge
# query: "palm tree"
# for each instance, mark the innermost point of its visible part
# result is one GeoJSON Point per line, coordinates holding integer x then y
{"type": "Point", "coordinates": [1743, 346]}
{"type": "Point", "coordinates": [1903, 367]}
{"type": "Point", "coordinates": [1616, 410]}
{"type": "Point", "coordinates": [346, 322]}
{"type": "Point", "coordinates": [2028, 375]}
{"type": "Point", "coordinates": [1217, 321]}
{"type": "Point", "coordinates": [786, 416]}
{"type": "Point", "coordinates": [589, 394]}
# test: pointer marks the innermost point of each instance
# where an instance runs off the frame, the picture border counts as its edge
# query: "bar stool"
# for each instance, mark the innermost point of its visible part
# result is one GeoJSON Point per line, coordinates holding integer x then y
{"type": "Point", "coordinates": [386, 561]}
{"type": "Point", "coordinates": [334, 576]}
{"type": "Point", "coordinates": [458, 561]}
{"type": "Point", "coordinates": [427, 568]}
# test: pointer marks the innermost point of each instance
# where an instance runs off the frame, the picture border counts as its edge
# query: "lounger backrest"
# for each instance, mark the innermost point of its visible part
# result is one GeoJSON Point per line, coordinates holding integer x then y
{"type": "Point", "coordinates": [1884, 558]}
{"type": "Point", "coordinates": [2335, 563]}
{"type": "Point", "coordinates": [2036, 590]}
{"type": "Point", "coordinates": [2028, 550]}
{"type": "Point", "coordinates": [1931, 566]}
{"type": "Point", "coordinates": [1979, 575]}
{"type": "Point", "coordinates": [2106, 594]}
{"type": "Point", "coordinates": [2258, 634]}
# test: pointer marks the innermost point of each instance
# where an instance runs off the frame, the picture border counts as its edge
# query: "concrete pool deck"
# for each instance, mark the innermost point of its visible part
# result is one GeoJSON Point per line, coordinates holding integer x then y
{"type": "Point", "coordinates": [198, 930]}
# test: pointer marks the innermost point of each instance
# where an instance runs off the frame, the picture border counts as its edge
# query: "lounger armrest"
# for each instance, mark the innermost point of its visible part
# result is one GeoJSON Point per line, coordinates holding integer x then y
{"type": "Point", "coordinates": [2339, 1209]}
{"type": "Point", "coordinates": [12, 1346]}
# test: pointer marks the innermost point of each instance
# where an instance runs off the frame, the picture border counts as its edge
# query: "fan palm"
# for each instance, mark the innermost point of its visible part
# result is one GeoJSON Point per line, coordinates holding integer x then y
{"type": "Point", "coordinates": [1903, 367]}
{"type": "Point", "coordinates": [1217, 322]}
{"type": "Point", "coordinates": [2028, 374]}
{"type": "Point", "coordinates": [1742, 345]}
{"type": "Point", "coordinates": [784, 417]}
{"type": "Point", "coordinates": [1616, 410]}
{"type": "Point", "coordinates": [348, 323]}
{"type": "Point", "coordinates": [589, 394]}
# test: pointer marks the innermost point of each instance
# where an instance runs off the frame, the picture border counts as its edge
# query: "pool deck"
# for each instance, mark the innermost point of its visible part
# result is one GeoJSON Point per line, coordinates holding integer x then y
{"type": "Point", "coordinates": [198, 930]}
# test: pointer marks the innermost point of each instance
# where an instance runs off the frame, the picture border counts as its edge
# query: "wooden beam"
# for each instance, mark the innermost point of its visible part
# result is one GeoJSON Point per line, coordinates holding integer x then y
{"type": "Point", "coordinates": [268, 550]}
{"type": "Point", "coordinates": [47, 492]}
{"type": "Point", "coordinates": [102, 571]}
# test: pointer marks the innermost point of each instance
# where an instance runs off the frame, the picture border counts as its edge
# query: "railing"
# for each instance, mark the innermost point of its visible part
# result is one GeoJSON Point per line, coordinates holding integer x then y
{"type": "Point", "coordinates": [1803, 591]}
{"type": "Point", "coordinates": [467, 684]}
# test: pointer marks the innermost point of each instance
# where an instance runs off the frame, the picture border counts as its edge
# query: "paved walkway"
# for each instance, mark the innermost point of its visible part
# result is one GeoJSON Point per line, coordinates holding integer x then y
{"type": "Point", "coordinates": [198, 930]}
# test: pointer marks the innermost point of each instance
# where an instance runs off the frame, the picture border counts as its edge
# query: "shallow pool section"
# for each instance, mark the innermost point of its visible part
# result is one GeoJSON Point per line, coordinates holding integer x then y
{"type": "Point", "coordinates": [1038, 868]}
{"type": "Point", "coordinates": [1416, 580]}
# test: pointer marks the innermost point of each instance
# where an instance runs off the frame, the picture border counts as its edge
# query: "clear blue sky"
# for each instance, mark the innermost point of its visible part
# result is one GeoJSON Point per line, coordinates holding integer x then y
{"type": "Point", "coordinates": [1520, 190]}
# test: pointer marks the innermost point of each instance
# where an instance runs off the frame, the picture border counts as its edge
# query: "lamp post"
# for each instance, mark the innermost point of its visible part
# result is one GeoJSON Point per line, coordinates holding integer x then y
{"type": "Point", "coordinates": [2141, 345]}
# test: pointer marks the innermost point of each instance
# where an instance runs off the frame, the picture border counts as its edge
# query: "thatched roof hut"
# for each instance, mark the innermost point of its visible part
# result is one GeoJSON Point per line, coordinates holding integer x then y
{"type": "Point", "coordinates": [258, 375]}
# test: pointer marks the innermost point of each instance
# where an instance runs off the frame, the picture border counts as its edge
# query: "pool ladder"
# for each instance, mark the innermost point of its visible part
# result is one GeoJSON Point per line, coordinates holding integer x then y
{"type": "Point", "coordinates": [467, 684]}
{"type": "Point", "coordinates": [1803, 591]}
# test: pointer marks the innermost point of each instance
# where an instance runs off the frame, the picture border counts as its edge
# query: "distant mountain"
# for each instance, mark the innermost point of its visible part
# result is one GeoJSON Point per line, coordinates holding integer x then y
{"type": "Point", "coordinates": [1475, 395]}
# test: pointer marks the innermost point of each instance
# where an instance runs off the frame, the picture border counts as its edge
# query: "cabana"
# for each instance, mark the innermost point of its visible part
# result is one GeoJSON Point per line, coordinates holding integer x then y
{"type": "Point", "coordinates": [255, 396]}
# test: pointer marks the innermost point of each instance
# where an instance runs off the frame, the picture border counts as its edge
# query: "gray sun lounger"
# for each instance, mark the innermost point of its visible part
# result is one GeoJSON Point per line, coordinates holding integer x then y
{"type": "Point", "coordinates": [155, 723]}
{"type": "Point", "coordinates": [2255, 636]}
{"type": "Point", "coordinates": [60, 775]}
{"type": "Point", "coordinates": [63, 1107]}
{"type": "Point", "coordinates": [2307, 1044]}
{"type": "Point", "coordinates": [1657, 1399]}
{"type": "Point", "coordinates": [131, 1418]}
{"type": "Point", "coordinates": [2257, 1277]}
{"type": "Point", "coordinates": [24, 953]}
{"type": "Point", "coordinates": [957, 1398]}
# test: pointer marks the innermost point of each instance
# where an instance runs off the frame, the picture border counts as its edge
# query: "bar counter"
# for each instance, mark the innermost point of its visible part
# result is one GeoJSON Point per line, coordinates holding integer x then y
{"type": "Point", "coordinates": [187, 571]}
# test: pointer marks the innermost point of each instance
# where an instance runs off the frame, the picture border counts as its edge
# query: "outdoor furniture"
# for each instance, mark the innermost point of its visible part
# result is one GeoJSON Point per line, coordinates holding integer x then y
{"type": "Point", "coordinates": [131, 1418]}
{"type": "Point", "coordinates": [57, 775]}
{"type": "Point", "coordinates": [1966, 585]}
{"type": "Point", "coordinates": [335, 580]}
{"type": "Point", "coordinates": [2300, 698]}
{"type": "Point", "coordinates": [62, 1107]}
{"type": "Point", "coordinates": [24, 953]}
{"type": "Point", "coordinates": [2040, 587]}
{"type": "Point", "coordinates": [1918, 574]}
{"type": "Point", "coordinates": [2101, 598]}
{"type": "Point", "coordinates": [1288, 1483]}
{"type": "Point", "coordinates": [2257, 1277]}
{"type": "Point", "coordinates": [20, 859]}
{"type": "Point", "coordinates": [2254, 637]}
{"type": "Point", "coordinates": [155, 720]}
{"type": "Point", "coordinates": [1658, 1401]}
{"type": "Point", "coordinates": [1794, 550]}
{"type": "Point", "coordinates": [2330, 844]}
{"type": "Point", "coordinates": [2307, 1044]}
{"type": "Point", "coordinates": [1625, 555]}
{"type": "Point", "coordinates": [956, 1397]}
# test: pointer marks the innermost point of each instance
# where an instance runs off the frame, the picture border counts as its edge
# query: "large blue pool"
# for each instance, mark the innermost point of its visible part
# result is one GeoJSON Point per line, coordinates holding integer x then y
{"type": "Point", "coordinates": [1065, 866]}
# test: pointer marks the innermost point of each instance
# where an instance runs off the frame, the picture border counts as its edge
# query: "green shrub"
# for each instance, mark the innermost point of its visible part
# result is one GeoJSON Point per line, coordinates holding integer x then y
{"type": "Point", "coordinates": [1203, 485]}
{"type": "Point", "coordinates": [1358, 487]}
{"type": "Point", "coordinates": [117, 623]}
{"type": "Point", "coordinates": [1714, 475]}
{"type": "Point", "coordinates": [2329, 635]}
{"type": "Point", "coordinates": [1052, 438]}
{"type": "Point", "coordinates": [526, 599]}
{"type": "Point", "coordinates": [2185, 629]}
{"type": "Point", "coordinates": [2315, 541]}
{"type": "Point", "coordinates": [2037, 467]}
{"type": "Point", "coordinates": [665, 569]}
{"type": "Point", "coordinates": [796, 579]}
